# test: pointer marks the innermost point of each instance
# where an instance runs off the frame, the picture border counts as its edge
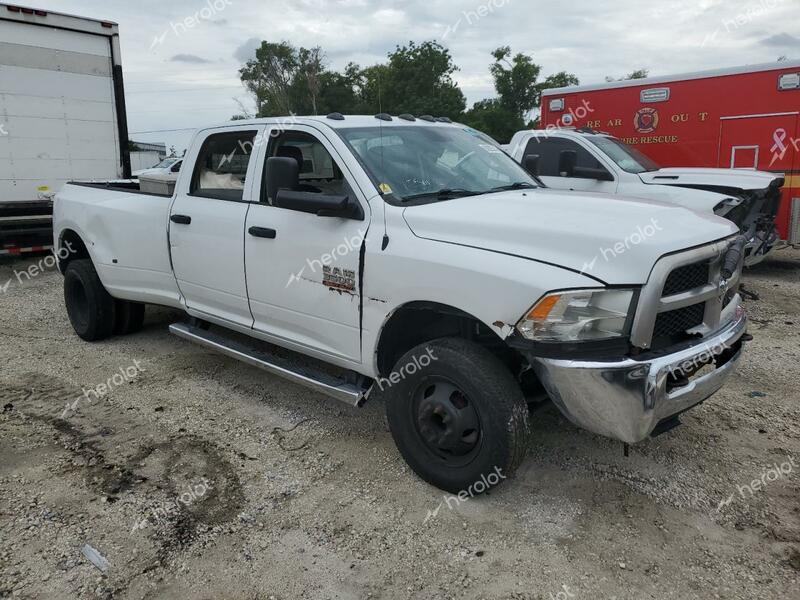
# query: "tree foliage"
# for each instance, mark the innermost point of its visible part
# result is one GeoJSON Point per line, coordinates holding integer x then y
{"type": "Point", "coordinates": [637, 74]}
{"type": "Point", "coordinates": [417, 78]}
{"type": "Point", "coordinates": [519, 93]}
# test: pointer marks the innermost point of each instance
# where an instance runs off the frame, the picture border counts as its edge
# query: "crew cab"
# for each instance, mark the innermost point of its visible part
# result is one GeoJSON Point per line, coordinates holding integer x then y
{"type": "Point", "coordinates": [587, 161]}
{"type": "Point", "coordinates": [409, 256]}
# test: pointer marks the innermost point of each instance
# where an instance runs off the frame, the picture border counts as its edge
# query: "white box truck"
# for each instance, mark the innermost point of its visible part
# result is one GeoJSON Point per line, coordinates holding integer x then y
{"type": "Point", "coordinates": [62, 116]}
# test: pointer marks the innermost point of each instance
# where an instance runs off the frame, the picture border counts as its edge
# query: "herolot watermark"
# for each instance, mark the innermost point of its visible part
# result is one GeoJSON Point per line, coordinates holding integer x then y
{"type": "Point", "coordinates": [211, 9]}
{"type": "Point", "coordinates": [473, 16]}
{"type": "Point", "coordinates": [415, 365]}
{"type": "Point", "coordinates": [563, 594]}
{"type": "Point", "coordinates": [568, 119]}
{"type": "Point", "coordinates": [485, 483]}
{"type": "Point", "coordinates": [770, 475]}
{"type": "Point", "coordinates": [634, 239]}
{"type": "Point", "coordinates": [246, 147]}
{"type": "Point", "coordinates": [708, 354]}
{"type": "Point", "coordinates": [125, 375]}
{"type": "Point", "coordinates": [324, 262]}
{"type": "Point", "coordinates": [751, 13]}
{"type": "Point", "coordinates": [42, 265]}
{"type": "Point", "coordinates": [161, 513]}
{"type": "Point", "coordinates": [3, 130]}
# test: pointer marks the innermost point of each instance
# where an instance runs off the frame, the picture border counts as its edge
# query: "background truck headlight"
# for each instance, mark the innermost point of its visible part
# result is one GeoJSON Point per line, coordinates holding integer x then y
{"type": "Point", "coordinates": [579, 315]}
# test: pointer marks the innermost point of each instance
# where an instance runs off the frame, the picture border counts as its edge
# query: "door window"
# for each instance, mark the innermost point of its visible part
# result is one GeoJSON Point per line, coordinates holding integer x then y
{"type": "Point", "coordinates": [221, 166]}
{"type": "Point", "coordinates": [549, 150]}
{"type": "Point", "coordinates": [319, 172]}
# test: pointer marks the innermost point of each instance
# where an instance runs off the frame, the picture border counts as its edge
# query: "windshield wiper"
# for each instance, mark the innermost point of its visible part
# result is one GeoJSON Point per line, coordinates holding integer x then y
{"type": "Point", "coordinates": [444, 194]}
{"type": "Point", "coordinates": [519, 185]}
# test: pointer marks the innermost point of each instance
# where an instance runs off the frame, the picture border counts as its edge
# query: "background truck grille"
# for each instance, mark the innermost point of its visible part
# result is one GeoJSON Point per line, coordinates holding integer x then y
{"type": "Point", "coordinates": [676, 322]}
{"type": "Point", "coordinates": [687, 278]}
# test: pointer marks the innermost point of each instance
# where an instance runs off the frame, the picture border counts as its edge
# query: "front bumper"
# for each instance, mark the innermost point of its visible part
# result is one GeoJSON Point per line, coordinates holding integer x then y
{"type": "Point", "coordinates": [627, 399]}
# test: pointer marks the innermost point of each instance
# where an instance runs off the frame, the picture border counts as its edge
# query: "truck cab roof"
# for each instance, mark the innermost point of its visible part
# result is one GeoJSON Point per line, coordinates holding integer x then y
{"type": "Point", "coordinates": [339, 121]}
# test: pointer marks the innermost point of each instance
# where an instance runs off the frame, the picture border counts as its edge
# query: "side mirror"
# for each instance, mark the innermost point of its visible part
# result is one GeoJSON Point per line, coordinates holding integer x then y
{"type": "Point", "coordinates": [282, 173]}
{"type": "Point", "coordinates": [531, 164]}
{"type": "Point", "coordinates": [567, 160]}
{"type": "Point", "coordinates": [322, 205]}
{"type": "Point", "coordinates": [587, 173]}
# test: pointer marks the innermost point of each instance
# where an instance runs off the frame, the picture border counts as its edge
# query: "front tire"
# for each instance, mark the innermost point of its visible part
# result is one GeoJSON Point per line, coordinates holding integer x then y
{"type": "Point", "coordinates": [89, 306]}
{"type": "Point", "coordinates": [459, 419]}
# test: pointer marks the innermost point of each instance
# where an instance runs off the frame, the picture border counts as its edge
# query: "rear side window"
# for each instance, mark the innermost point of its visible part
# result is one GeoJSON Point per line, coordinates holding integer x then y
{"type": "Point", "coordinates": [549, 150]}
{"type": "Point", "coordinates": [221, 166]}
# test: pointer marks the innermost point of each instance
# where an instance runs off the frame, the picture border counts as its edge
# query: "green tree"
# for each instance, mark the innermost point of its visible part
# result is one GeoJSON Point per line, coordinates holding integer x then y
{"type": "Point", "coordinates": [515, 81]}
{"type": "Point", "coordinates": [519, 92]}
{"type": "Point", "coordinates": [637, 74]}
{"type": "Point", "coordinates": [269, 77]}
{"type": "Point", "coordinates": [417, 80]}
{"type": "Point", "coordinates": [494, 119]}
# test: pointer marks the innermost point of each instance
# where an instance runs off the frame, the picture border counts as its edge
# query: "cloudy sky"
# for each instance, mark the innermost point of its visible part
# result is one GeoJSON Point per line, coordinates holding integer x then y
{"type": "Point", "coordinates": [184, 77]}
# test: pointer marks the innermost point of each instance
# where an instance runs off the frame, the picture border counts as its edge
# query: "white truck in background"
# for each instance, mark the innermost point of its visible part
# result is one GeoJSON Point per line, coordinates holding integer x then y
{"type": "Point", "coordinates": [62, 116]}
{"type": "Point", "coordinates": [590, 161]}
{"type": "Point", "coordinates": [356, 253]}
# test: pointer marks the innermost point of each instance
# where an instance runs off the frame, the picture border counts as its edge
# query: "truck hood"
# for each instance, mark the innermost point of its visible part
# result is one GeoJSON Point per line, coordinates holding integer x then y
{"type": "Point", "coordinates": [720, 178]}
{"type": "Point", "coordinates": [615, 240]}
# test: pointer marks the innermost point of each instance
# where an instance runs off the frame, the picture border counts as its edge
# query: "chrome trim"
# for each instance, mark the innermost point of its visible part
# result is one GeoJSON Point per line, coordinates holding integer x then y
{"type": "Point", "coordinates": [348, 393]}
{"type": "Point", "coordinates": [652, 303]}
{"type": "Point", "coordinates": [627, 399]}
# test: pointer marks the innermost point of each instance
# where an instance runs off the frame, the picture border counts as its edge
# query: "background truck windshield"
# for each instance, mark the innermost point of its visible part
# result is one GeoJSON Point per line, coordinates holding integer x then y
{"type": "Point", "coordinates": [627, 158]}
{"type": "Point", "coordinates": [418, 161]}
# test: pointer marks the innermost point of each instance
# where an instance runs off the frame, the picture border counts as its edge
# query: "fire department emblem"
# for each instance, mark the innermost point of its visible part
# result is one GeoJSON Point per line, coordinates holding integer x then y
{"type": "Point", "coordinates": [646, 120]}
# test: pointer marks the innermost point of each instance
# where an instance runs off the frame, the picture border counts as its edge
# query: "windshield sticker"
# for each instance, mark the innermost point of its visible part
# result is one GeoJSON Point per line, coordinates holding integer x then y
{"type": "Point", "coordinates": [385, 188]}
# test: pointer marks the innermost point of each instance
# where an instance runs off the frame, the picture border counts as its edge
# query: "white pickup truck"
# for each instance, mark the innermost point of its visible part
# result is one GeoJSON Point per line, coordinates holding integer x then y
{"type": "Point", "coordinates": [409, 255]}
{"type": "Point", "coordinates": [588, 161]}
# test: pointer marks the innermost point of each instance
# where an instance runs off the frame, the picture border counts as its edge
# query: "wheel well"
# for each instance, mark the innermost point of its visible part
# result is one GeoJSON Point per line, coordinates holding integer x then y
{"type": "Point", "coordinates": [419, 322]}
{"type": "Point", "coordinates": [70, 247]}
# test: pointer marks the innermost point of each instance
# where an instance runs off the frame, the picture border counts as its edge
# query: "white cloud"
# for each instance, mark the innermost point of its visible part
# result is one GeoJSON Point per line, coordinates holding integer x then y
{"type": "Point", "coordinates": [591, 38]}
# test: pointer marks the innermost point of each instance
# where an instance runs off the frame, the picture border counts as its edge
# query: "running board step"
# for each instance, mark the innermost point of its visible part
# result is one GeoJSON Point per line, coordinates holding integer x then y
{"type": "Point", "coordinates": [325, 383]}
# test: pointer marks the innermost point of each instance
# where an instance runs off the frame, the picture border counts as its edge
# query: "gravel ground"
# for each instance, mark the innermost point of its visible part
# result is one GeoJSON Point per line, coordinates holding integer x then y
{"type": "Point", "coordinates": [198, 477]}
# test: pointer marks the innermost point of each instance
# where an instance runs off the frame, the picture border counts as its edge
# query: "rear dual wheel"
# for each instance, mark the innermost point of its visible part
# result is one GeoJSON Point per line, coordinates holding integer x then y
{"type": "Point", "coordinates": [93, 313]}
{"type": "Point", "coordinates": [461, 420]}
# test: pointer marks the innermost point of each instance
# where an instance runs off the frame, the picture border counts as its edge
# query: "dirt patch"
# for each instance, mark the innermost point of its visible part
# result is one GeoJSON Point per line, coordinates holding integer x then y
{"type": "Point", "coordinates": [203, 478]}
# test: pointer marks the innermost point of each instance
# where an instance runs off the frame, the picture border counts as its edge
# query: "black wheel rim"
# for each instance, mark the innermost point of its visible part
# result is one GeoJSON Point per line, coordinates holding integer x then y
{"type": "Point", "coordinates": [446, 421]}
{"type": "Point", "coordinates": [77, 304]}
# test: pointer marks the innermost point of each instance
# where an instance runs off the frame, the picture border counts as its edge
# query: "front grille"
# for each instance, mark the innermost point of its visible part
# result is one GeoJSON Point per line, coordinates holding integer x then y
{"type": "Point", "coordinates": [676, 322]}
{"type": "Point", "coordinates": [687, 278]}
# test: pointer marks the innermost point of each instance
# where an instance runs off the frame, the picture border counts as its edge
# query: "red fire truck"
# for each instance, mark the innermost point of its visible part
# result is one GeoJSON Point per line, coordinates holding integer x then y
{"type": "Point", "coordinates": [740, 118]}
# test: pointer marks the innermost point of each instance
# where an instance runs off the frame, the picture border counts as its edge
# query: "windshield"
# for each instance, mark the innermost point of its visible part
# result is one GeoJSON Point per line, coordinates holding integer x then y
{"type": "Point", "coordinates": [415, 162]}
{"type": "Point", "coordinates": [627, 158]}
{"type": "Point", "coordinates": [167, 162]}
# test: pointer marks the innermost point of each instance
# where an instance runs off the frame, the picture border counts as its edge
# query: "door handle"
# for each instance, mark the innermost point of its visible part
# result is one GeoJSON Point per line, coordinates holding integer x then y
{"type": "Point", "coordinates": [181, 219]}
{"type": "Point", "coordinates": [262, 232]}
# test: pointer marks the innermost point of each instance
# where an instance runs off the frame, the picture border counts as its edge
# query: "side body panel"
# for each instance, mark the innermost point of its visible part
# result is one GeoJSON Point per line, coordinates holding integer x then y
{"type": "Point", "coordinates": [126, 236]}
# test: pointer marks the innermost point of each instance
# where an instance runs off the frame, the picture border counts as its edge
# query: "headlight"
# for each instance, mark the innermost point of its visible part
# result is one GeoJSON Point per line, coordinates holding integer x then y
{"type": "Point", "coordinates": [578, 315]}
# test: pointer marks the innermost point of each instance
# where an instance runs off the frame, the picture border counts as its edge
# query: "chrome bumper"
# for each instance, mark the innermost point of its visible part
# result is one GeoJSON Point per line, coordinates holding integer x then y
{"type": "Point", "coordinates": [627, 399]}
